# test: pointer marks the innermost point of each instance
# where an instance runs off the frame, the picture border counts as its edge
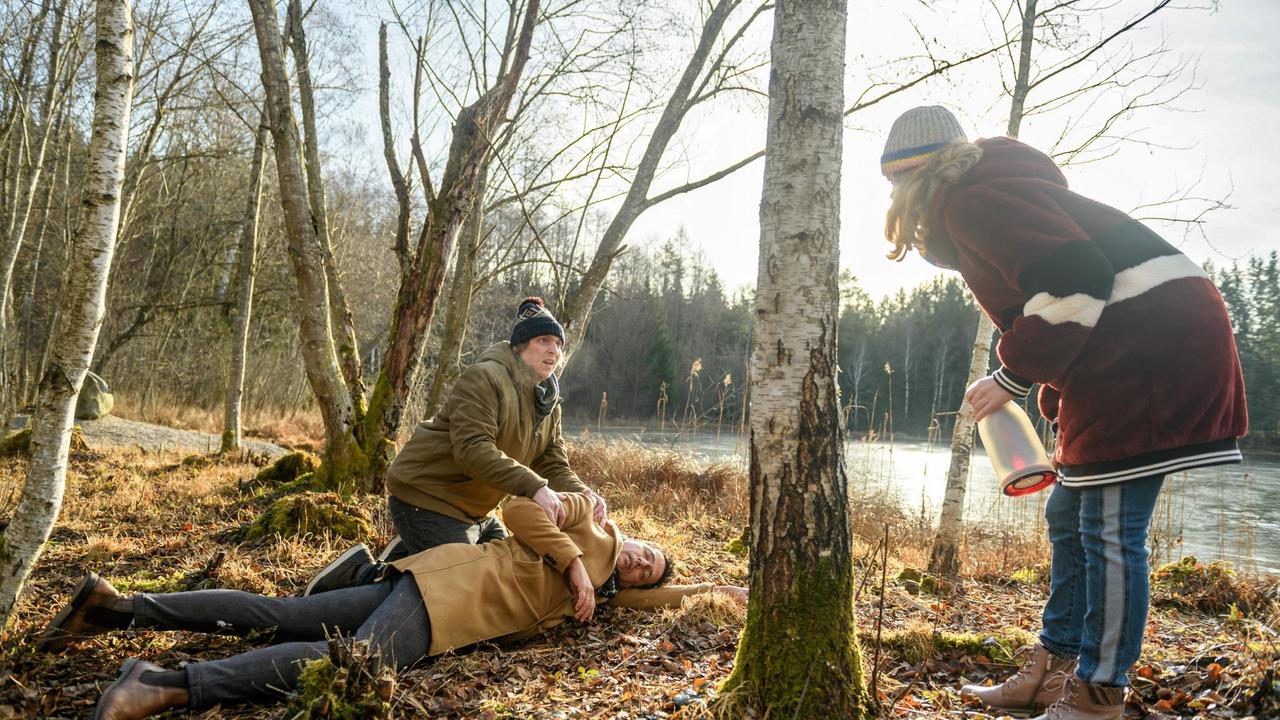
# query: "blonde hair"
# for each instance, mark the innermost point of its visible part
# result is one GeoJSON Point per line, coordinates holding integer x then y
{"type": "Point", "coordinates": [906, 225]}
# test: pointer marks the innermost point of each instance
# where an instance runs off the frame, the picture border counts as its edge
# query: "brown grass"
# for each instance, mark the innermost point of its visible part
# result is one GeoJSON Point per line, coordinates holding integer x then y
{"type": "Point", "coordinates": [152, 523]}
{"type": "Point", "coordinates": [290, 428]}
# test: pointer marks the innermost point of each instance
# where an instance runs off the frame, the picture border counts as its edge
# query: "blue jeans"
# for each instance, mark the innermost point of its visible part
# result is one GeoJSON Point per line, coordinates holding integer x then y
{"type": "Point", "coordinates": [1099, 582]}
{"type": "Point", "coordinates": [390, 615]}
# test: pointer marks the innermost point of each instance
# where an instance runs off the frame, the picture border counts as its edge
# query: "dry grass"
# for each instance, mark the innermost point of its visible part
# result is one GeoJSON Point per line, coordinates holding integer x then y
{"type": "Point", "coordinates": [153, 523]}
{"type": "Point", "coordinates": [290, 428]}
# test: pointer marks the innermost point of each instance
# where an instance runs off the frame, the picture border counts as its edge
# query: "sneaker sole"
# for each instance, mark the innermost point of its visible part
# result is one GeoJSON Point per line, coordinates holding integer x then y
{"type": "Point", "coordinates": [391, 547]}
{"type": "Point", "coordinates": [50, 639]}
{"type": "Point", "coordinates": [353, 550]}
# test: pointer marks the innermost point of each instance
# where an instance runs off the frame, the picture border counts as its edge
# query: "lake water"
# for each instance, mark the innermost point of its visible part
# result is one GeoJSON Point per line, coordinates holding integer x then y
{"type": "Point", "coordinates": [1227, 512]}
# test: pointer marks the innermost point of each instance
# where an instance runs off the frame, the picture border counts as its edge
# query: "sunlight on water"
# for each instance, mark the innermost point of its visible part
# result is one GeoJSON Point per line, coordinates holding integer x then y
{"type": "Point", "coordinates": [1227, 512]}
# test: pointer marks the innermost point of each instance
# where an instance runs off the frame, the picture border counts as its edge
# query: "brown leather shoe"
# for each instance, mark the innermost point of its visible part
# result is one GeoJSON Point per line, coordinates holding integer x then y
{"type": "Point", "coordinates": [128, 698]}
{"type": "Point", "coordinates": [1086, 701]}
{"type": "Point", "coordinates": [1040, 682]}
{"type": "Point", "coordinates": [70, 625]}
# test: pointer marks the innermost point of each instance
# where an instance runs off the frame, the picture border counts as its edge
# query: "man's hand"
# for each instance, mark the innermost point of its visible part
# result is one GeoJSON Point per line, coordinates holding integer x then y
{"type": "Point", "coordinates": [601, 512]}
{"type": "Point", "coordinates": [986, 396]}
{"type": "Point", "coordinates": [549, 501]}
{"type": "Point", "coordinates": [584, 595]}
{"type": "Point", "coordinates": [733, 592]}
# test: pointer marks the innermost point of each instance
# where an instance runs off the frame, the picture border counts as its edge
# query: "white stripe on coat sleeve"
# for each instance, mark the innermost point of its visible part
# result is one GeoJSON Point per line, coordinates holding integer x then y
{"type": "Point", "coordinates": [1150, 274]}
{"type": "Point", "coordinates": [1078, 308]}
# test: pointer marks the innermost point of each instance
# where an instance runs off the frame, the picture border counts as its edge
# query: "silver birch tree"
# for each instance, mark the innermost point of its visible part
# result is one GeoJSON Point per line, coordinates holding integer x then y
{"type": "Point", "coordinates": [246, 260]}
{"type": "Point", "coordinates": [81, 308]}
{"type": "Point", "coordinates": [798, 655]}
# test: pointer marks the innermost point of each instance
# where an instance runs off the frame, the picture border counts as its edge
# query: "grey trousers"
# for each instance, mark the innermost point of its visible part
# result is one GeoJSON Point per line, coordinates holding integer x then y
{"type": "Point", "coordinates": [390, 615]}
{"type": "Point", "coordinates": [424, 529]}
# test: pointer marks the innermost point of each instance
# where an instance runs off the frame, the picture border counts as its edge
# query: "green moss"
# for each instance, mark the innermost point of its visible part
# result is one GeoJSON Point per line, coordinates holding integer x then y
{"type": "Point", "coordinates": [910, 574]}
{"type": "Point", "coordinates": [287, 469]}
{"type": "Point", "coordinates": [16, 445]}
{"type": "Point", "coordinates": [1209, 587]}
{"type": "Point", "coordinates": [799, 656]}
{"type": "Point", "coordinates": [917, 643]}
{"type": "Point", "coordinates": [311, 512]}
{"type": "Point", "coordinates": [19, 444]}
{"type": "Point", "coordinates": [196, 462]}
{"type": "Point", "coordinates": [348, 684]}
{"type": "Point", "coordinates": [145, 582]}
{"type": "Point", "coordinates": [1034, 575]}
{"type": "Point", "coordinates": [737, 547]}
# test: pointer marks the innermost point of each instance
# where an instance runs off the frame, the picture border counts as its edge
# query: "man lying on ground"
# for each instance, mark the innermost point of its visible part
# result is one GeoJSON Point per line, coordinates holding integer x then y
{"type": "Point", "coordinates": [432, 602]}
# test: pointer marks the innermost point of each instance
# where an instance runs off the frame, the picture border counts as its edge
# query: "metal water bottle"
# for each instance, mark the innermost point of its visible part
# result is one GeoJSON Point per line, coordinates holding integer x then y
{"type": "Point", "coordinates": [1015, 451]}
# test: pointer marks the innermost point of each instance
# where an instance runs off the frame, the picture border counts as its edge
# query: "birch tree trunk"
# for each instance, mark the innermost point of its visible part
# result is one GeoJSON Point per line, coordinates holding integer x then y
{"type": "Point", "coordinates": [944, 558]}
{"type": "Point", "coordinates": [82, 306]}
{"type": "Point", "coordinates": [319, 355]}
{"type": "Point", "coordinates": [798, 655]}
{"type": "Point", "coordinates": [245, 273]}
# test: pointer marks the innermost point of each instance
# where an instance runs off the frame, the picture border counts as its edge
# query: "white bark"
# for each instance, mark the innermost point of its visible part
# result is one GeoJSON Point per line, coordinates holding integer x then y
{"type": "Point", "coordinates": [945, 558]}
{"type": "Point", "coordinates": [245, 272]}
{"type": "Point", "coordinates": [797, 478]}
{"type": "Point", "coordinates": [81, 307]}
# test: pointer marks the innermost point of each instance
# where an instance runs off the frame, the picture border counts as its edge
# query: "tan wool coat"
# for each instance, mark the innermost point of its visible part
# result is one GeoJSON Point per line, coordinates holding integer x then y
{"type": "Point", "coordinates": [515, 588]}
{"type": "Point", "coordinates": [486, 443]}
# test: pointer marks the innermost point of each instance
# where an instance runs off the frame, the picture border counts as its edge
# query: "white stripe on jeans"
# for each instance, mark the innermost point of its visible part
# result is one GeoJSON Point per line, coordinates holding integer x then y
{"type": "Point", "coordinates": [1113, 588]}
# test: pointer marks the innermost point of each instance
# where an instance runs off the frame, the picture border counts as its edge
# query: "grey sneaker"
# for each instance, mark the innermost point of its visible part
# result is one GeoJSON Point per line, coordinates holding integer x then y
{"type": "Point", "coordinates": [389, 552]}
{"type": "Point", "coordinates": [341, 573]}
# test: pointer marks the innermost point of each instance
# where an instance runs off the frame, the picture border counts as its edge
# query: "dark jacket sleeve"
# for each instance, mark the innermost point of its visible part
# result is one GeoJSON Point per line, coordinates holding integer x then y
{"type": "Point", "coordinates": [1039, 251]}
{"type": "Point", "coordinates": [553, 463]}
{"type": "Point", "coordinates": [473, 430]}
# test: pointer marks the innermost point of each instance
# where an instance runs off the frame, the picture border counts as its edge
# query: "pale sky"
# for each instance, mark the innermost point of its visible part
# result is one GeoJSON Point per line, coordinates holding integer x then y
{"type": "Point", "coordinates": [1224, 136]}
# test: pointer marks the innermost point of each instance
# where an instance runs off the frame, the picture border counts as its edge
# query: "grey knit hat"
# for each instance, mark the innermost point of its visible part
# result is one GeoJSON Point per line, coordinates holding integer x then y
{"type": "Point", "coordinates": [916, 135]}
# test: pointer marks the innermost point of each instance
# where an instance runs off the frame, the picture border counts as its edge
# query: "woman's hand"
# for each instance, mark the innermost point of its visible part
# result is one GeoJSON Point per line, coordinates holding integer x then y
{"type": "Point", "coordinates": [549, 501]}
{"type": "Point", "coordinates": [733, 592]}
{"type": "Point", "coordinates": [601, 512]}
{"type": "Point", "coordinates": [986, 396]}
{"type": "Point", "coordinates": [580, 588]}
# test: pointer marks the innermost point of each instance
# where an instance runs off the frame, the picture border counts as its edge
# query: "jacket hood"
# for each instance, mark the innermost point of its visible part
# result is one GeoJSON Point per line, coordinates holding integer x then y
{"type": "Point", "coordinates": [1003, 159]}
{"type": "Point", "coordinates": [501, 353]}
{"type": "Point", "coordinates": [1006, 158]}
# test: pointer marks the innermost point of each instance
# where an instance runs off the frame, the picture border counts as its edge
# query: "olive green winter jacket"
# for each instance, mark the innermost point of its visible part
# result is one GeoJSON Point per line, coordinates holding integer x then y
{"type": "Point", "coordinates": [486, 443]}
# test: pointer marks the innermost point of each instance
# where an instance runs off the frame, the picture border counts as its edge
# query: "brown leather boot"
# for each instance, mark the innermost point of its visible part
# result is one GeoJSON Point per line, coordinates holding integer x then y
{"type": "Point", "coordinates": [1086, 701]}
{"type": "Point", "coordinates": [1040, 682]}
{"type": "Point", "coordinates": [128, 698]}
{"type": "Point", "coordinates": [70, 624]}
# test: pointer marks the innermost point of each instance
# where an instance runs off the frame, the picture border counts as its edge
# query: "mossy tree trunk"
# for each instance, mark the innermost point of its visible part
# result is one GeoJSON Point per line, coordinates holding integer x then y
{"type": "Point", "coordinates": [344, 458]}
{"type": "Point", "coordinates": [83, 301]}
{"type": "Point", "coordinates": [799, 655]}
{"type": "Point", "coordinates": [422, 281]}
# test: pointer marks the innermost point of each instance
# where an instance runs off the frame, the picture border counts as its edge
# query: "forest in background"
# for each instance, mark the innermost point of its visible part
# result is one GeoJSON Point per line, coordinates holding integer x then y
{"type": "Point", "coordinates": [667, 343]}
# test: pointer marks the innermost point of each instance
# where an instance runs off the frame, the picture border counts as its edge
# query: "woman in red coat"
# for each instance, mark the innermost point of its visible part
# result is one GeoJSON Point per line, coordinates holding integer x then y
{"type": "Point", "coordinates": [1134, 354]}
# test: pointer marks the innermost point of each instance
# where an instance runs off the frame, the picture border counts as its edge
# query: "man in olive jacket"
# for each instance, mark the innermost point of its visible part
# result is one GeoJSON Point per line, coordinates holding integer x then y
{"type": "Point", "coordinates": [497, 435]}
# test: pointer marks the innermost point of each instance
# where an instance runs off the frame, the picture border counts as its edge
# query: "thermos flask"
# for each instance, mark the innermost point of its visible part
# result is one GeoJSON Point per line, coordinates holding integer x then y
{"type": "Point", "coordinates": [1015, 450]}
